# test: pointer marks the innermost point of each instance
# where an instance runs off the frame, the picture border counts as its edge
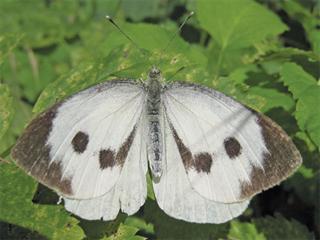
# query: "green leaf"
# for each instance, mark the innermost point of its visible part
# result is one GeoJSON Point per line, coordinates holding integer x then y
{"type": "Point", "coordinates": [306, 90]}
{"type": "Point", "coordinates": [273, 98]}
{"type": "Point", "coordinates": [19, 119]}
{"type": "Point", "coordinates": [16, 193]}
{"type": "Point", "coordinates": [280, 228]}
{"type": "Point", "coordinates": [125, 232]}
{"type": "Point", "coordinates": [29, 71]}
{"type": "Point", "coordinates": [7, 43]}
{"type": "Point", "coordinates": [150, 192]}
{"type": "Point", "coordinates": [6, 109]}
{"type": "Point", "coordinates": [140, 224]}
{"type": "Point", "coordinates": [235, 26]}
{"type": "Point", "coordinates": [244, 231]}
{"type": "Point", "coordinates": [138, 10]}
{"type": "Point", "coordinates": [238, 23]}
{"type": "Point", "coordinates": [40, 22]}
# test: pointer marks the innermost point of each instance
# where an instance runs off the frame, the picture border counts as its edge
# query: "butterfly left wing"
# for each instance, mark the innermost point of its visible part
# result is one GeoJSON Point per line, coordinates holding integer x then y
{"type": "Point", "coordinates": [229, 152]}
{"type": "Point", "coordinates": [79, 146]}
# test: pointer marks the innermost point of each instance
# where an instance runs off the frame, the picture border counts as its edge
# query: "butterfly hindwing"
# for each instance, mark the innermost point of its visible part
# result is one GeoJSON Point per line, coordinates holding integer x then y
{"type": "Point", "coordinates": [129, 192]}
{"type": "Point", "coordinates": [79, 146]}
{"type": "Point", "coordinates": [176, 196]}
{"type": "Point", "coordinates": [229, 152]}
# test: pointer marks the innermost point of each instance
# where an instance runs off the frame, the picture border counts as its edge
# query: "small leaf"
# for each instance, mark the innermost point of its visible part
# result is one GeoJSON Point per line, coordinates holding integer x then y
{"type": "Point", "coordinates": [140, 223]}
{"type": "Point", "coordinates": [244, 231]}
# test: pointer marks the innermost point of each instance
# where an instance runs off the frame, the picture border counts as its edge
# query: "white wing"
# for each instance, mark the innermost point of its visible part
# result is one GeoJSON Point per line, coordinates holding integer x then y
{"type": "Point", "coordinates": [129, 192]}
{"type": "Point", "coordinates": [79, 146]}
{"type": "Point", "coordinates": [175, 194]}
{"type": "Point", "coordinates": [229, 152]}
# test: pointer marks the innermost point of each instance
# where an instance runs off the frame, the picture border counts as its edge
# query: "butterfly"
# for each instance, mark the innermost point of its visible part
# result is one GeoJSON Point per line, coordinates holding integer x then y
{"type": "Point", "coordinates": [208, 154]}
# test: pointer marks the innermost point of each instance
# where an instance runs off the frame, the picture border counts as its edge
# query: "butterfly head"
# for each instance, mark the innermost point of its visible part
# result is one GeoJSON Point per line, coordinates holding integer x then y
{"type": "Point", "coordinates": [154, 79]}
{"type": "Point", "coordinates": [154, 73]}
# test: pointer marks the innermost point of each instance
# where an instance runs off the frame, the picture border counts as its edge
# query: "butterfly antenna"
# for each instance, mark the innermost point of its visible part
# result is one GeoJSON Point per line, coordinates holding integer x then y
{"type": "Point", "coordinates": [126, 35]}
{"type": "Point", "coordinates": [177, 32]}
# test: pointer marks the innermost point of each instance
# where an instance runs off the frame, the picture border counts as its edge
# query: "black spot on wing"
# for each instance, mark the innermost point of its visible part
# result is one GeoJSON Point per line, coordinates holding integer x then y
{"type": "Point", "coordinates": [106, 158]}
{"type": "Point", "coordinates": [203, 162]}
{"type": "Point", "coordinates": [80, 142]}
{"type": "Point", "coordinates": [109, 158]}
{"type": "Point", "coordinates": [125, 147]}
{"type": "Point", "coordinates": [232, 147]}
{"type": "Point", "coordinates": [185, 153]}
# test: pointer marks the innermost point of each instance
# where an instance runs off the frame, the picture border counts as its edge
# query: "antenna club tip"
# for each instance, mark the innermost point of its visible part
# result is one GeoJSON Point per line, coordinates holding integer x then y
{"type": "Point", "coordinates": [108, 17]}
{"type": "Point", "coordinates": [191, 13]}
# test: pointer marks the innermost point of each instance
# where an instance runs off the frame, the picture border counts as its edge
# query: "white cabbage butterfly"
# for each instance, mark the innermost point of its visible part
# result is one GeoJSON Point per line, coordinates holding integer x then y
{"type": "Point", "coordinates": [208, 154]}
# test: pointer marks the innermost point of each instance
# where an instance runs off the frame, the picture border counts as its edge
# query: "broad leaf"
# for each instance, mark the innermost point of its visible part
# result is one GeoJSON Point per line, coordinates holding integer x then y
{"type": "Point", "coordinates": [235, 27]}
{"type": "Point", "coordinates": [238, 23]}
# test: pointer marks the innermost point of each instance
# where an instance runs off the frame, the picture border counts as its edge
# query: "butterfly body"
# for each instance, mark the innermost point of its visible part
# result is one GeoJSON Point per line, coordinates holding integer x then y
{"type": "Point", "coordinates": [208, 154]}
{"type": "Point", "coordinates": [154, 90]}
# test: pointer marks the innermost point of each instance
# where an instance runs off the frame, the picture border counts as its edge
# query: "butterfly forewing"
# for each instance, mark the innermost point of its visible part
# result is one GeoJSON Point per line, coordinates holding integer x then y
{"type": "Point", "coordinates": [79, 146]}
{"type": "Point", "coordinates": [229, 152]}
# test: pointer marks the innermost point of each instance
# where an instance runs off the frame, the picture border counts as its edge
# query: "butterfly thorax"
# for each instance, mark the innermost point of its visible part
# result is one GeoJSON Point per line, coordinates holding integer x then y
{"type": "Point", "coordinates": [154, 88]}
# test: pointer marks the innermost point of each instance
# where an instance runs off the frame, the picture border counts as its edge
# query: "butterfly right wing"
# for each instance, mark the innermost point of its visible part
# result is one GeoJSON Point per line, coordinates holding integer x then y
{"type": "Point", "coordinates": [79, 146]}
{"type": "Point", "coordinates": [175, 195]}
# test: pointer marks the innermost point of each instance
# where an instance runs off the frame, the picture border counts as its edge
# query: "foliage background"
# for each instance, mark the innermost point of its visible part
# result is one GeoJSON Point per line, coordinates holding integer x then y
{"type": "Point", "coordinates": [265, 53]}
